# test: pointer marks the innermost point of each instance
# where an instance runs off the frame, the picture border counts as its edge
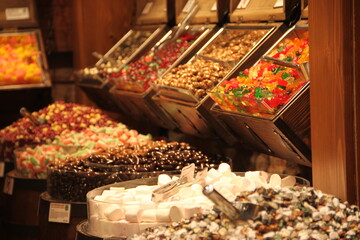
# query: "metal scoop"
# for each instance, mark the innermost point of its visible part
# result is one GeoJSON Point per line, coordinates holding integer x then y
{"type": "Point", "coordinates": [173, 187]}
{"type": "Point", "coordinates": [36, 121]}
{"type": "Point", "coordinates": [242, 211]}
{"type": "Point", "coordinates": [303, 68]}
{"type": "Point", "coordinates": [181, 27]}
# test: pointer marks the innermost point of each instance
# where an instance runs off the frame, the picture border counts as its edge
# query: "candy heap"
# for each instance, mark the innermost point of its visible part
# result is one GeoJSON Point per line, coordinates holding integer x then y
{"type": "Point", "coordinates": [233, 44]}
{"type": "Point", "coordinates": [264, 88]}
{"type": "Point", "coordinates": [73, 178]}
{"type": "Point", "coordinates": [119, 212]}
{"type": "Point", "coordinates": [138, 75]}
{"type": "Point", "coordinates": [196, 76]}
{"type": "Point", "coordinates": [20, 59]}
{"type": "Point", "coordinates": [59, 117]}
{"type": "Point", "coordinates": [32, 162]}
{"type": "Point", "coordinates": [290, 213]}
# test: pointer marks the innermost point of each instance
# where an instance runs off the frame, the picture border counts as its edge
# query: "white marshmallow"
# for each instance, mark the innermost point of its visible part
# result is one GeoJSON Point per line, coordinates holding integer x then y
{"type": "Point", "coordinates": [186, 192]}
{"type": "Point", "coordinates": [133, 213]}
{"type": "Point", "coordinates": [114, 212]}
{"type": "Point", "coordinates": [163, 179]}
{"type": "Point", "coordinates": [108, 192]}
{"type": "Point", "coordinates": [215, 175]}
{"type": "Point", "coordinates": [163, 215]}
{"type": "Point", "coordinates": [197, 189]}
{"type": "Point", "coordinates": [224, 167]}
{"type": "Point", "coordinates": [275, 180]}
{"type": "Point", "coordinates": [288, 181]}
{"type": "Point", "coordinates": [190, 211]}
{"type": "Point", "coordinates": [176, 213]}
{"type": "Point", "coordinates": [148, 215]}
{"type": "Point", "coordinates": [118, 189]}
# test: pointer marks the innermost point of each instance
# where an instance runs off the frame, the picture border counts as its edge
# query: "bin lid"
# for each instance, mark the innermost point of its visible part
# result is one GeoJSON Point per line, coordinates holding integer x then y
{"type": "Point", "coordinates": [207, 11]}
{"type": "Point", "coordinates": [18, 14]}
{"type": "Point", "coordinates": [259, 10]}
{"type": "Point", "coordinates": [151, 12]}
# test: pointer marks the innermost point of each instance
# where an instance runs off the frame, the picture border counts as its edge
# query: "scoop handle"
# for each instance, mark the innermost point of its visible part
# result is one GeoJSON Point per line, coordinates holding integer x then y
{"type": "Point", "coordinates": [221, 202]}
{"type": "Point", "coordinates": [25, 113]}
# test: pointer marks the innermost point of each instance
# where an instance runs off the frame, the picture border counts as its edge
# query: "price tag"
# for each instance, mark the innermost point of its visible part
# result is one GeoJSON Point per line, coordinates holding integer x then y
{"type": "Point", "coordinates": [279, 3]}
{"type": "Point", "coordinates": [17, 13]}
{"type": "Point", "coordinates": [243, 4]}
{"type": "Point", "coordinates": [59, 212]}
{"type": "Point", "coordinates": [147, 8]}
{"type": "Point", "coordinates": [188, 6]}
{"type": "Point", "coordinates": [2, 169]}
{"type": "Point", "coordinates": [8, 185]}
{"type": "Point", "coordinates": [214, 7]}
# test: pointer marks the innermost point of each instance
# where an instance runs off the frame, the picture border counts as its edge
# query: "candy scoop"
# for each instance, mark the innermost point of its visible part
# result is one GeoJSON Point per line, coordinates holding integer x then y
{"type": "Point", "coordinates": [303, 68]}
{"type": "Point", "coordinates": [36, 121]}
{"type": "Point", "coordinates": [241, 211]}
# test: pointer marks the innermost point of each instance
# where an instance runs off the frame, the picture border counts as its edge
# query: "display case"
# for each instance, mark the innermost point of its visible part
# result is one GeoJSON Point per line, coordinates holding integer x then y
{"type": "Point", "coordinates": [152, 24]}
{"type": "Point", "coordinates": [134, 86]}
{"type": "Point", "coordinates": [24, 74]}
{"type": "Point", "coordinates": [267, 105]}
{"type": "Point", "coordinates": [235, 44]}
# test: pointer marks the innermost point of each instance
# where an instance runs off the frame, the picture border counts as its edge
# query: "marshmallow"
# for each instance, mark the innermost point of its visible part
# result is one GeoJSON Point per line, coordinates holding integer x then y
{"type": "Point", "coordinates": [133, 213]}
{"type": "Point", "coordinates": [163, 215]}
{"type": "Point", "coordinates": [163, 179]}
{"type": "Point", "coordinates": [215, 175]}
{"type": "Point", "coordinates": [143, 189]}
{"type": "Point", "coordinates": [108, 192]}
{"type": "Point", "coordinates": [197, 189]}
{"type": "Point", "coordinates": [185, 193]}
{"type": "Point", "coordinates": [275, 180]}
{"type": "Point", "coordinates": [176, 213]}
{"type": "Point", "coordinates": [148, 215]}
{"type": "Point", "coordinates": [190, 211]}
{"type": "Point", "coordinates": [118, 189]}
{"type": "Point", "coordinates": [114, 213]}
{"type": "Point", "coordinates": [288, 181]}
{"type": "Point", "coordinates": [224, 167]}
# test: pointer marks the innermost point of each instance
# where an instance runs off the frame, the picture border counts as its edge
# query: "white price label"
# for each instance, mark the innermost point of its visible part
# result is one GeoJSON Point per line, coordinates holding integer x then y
{"type": "Point", "coordinates": [8, 185]}
{"type": "Point", "coordinates": [17, 13]}
{"type": "Point", "coordinates": [2, 169]}
{"type": "Point", "coordinates": [279, 3]}
{"type": "Point", "coordinates": [188, 6]}
{"type": "Point", "coordinates": [59, 212]}
{"type": "Point", "coordinates": [147, 8]}
{"type": "Point", "coordinates": [214, 7]}
{"type": "Point", "coordinates": [243, 4]}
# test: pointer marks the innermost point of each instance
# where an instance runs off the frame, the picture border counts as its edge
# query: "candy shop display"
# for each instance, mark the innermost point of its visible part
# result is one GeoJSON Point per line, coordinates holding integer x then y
{"type": "Point", "coordinates": [121, 212]}
{"type": "Point", "coordinates": [73, 178]}
{"type": "Point", "coordinates": [289, 213]}
{"type": "Point", "coordinates": [20, 59]}
{"type": "Point", "coordinates": [117, 56]}
{"type": "Point", "coordinates": [199, 74]}
{"type": "Point", "coordinates": [138, 75]}
{"type": "Point", "coordinates": [265, 88]}
{"type": "Point", "coordinates": [56, 118]}
{"type": "Point", "coordinates": [32, 162]}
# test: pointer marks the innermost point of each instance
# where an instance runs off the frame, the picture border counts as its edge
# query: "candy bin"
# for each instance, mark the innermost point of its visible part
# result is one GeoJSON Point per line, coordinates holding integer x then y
{"type": "Point", "coordinates": [134, 85]}
{"type": "Point", "coordinates": [24, 74]}
{"type": "Point", "coordinates": [182, 91]}
{"type": "Point", "coordinates": [267, 105]}
{"type": "Point", "coordinates": [97, 80]}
